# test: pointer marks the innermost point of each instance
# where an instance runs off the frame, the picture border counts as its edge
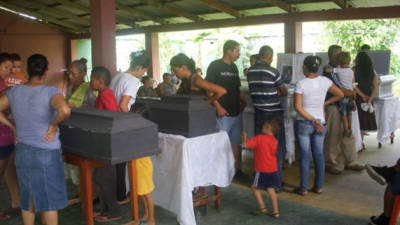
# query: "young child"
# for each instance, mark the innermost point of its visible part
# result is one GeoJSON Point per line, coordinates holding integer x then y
{"type": "Point", "coordinates": [265, 165]}
{"type": "Point", "coordinates": [346, 77]}
{"type": "Point", "coordinates": [105, 177]}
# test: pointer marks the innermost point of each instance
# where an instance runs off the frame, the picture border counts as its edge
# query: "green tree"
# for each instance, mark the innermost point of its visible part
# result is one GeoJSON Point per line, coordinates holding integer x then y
{"type": "Point", "coordinates": [380, 34]}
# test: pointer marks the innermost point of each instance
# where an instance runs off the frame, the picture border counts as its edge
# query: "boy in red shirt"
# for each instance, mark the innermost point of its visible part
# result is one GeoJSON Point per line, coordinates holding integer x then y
{"type": "Point", "coordinates": [265, 165]}
{"type": "Point", "coordinates": [105, 177]}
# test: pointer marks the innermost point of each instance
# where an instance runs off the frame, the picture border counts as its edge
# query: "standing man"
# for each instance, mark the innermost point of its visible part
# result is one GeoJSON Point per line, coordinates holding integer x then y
{"type": "Point", "coordinates": [335, 143]}
{"type": "Point", "coordinates": [230, 106]}
{"type": "Point", "coordinates": [265, 87]}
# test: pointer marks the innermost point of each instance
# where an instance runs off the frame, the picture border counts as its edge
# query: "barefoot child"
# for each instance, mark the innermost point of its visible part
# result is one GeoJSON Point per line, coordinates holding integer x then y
{"type": "Point", "coordinates": [105, 177]}
{"type": "Point", "coordinates": [265, 165]}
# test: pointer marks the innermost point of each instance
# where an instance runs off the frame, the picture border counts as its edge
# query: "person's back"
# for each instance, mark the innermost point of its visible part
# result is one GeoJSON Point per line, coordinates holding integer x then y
{"type": "Point", "coordinates": [33, 113]}
{"type": "Point", "coordinates": [125, 84]}
{"type": "Point", "coordinates": [345, 75]}
{"type": "Point", "coordinates": [265, 149]}
{"type": "Point", "coordinates": [264, 82]}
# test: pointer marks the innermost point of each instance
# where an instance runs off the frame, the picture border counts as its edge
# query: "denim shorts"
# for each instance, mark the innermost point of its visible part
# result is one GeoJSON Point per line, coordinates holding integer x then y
{"type": "Point", "coordinates": [346, 106]}
{"type": "Point", "coordinates": [40, 178]}
{"type": "Point", "coordinates": [233, 126]}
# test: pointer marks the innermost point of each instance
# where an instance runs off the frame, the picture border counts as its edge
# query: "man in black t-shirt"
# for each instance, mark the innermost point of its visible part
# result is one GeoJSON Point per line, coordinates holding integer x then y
{"type": "Point", "coordinates": [230, 106]}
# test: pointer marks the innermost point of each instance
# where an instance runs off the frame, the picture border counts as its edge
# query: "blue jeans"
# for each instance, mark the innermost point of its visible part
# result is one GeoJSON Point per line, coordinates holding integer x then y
{"type": "Point", "coordinates": [310, 141]}
{"type": "Point", "coordinates": [260, 117]}
{"type": "Point", "coordinates": [233, 126]}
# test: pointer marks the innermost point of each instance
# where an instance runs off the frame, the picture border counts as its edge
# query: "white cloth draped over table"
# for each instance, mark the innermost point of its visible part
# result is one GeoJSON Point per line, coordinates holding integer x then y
{"type": "Point", "coordinates": [186, 163]}
{"type": "Point", "coordinates": [355, 128]}
{"type": "Point", "coordinates": [387, 117]}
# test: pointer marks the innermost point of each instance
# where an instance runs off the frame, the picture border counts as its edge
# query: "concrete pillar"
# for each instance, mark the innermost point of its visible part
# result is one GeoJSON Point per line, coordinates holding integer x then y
{"type": "Point", "coordinates": [102, 20]}
{"type": "Point", "coordinates": [152, 48]}
{"type": "Point", "coordinates": [293, 37]}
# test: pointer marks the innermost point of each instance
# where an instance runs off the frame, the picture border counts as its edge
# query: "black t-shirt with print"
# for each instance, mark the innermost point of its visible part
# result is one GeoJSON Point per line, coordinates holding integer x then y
{"type": "Point", "coordinates": [226, 76]}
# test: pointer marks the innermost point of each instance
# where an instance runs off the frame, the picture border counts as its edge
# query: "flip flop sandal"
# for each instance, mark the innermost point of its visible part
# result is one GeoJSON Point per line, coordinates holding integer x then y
{"type": "Point", "coordinates": [317, 191]}
{"type": "Point", "coordinates": [275, 215]}
{"type": "Point", "coordinates": [300, 192]}
{"type": "Point", "coordinates": [104, 218]}
{"type": "Point", "coordinates": [143, 220]}
{"type": "Point", "coordinates": [4, 216]}
{"type": "Point", "coordinates": [258, 212]}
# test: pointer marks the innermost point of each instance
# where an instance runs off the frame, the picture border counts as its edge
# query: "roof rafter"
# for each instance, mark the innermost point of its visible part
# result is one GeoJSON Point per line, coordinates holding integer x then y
{"type": "Point", "coordinates": [43, 7]}
{"type": "Point", "coordinates": [81, 7]}
{"type": "Point", "coordinates": [173, 10]}
{"type": "Point", "coordinates": [64, 25]}
{"type": "Point", "coordinates": [222, 7]}
{"type": "Point", "coordinates": [281, 4]}
{"type": "Point", "coordinates": [137, 12]}
{"type": "Point", "coordinates": [341, 3]}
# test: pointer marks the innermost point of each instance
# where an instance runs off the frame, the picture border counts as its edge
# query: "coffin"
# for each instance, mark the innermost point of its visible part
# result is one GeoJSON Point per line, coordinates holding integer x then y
{"type": "Point", "coordinates": [107, 136]}
{"type": "Point", "coordinates": [185, 115]}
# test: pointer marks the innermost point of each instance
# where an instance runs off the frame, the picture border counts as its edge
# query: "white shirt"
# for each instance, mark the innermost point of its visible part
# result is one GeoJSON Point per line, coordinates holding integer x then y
{"type": "Point", "coordinates": [345, 76]}
{"type": "Point", "coordinates": [313, 91]}
{"type": "Point", "coordinates": [125, 84]}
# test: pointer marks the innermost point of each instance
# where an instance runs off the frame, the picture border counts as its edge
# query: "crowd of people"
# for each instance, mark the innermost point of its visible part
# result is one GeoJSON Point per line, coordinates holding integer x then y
{"type": "Point", "coordinates": [322, 126]}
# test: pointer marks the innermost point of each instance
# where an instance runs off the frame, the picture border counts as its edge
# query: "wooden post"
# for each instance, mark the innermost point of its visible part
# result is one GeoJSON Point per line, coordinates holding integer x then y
{"type": "Point", "coordinates": [293, 37]}
{"type": "Point", "coordinates": [102, 21]}
{"type": "Point", "coordinates": [152, 48]}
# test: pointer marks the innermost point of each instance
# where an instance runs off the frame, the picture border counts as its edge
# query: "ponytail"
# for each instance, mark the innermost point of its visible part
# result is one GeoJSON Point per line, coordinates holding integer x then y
{"type": "Point", "coordinates": [312, 63]}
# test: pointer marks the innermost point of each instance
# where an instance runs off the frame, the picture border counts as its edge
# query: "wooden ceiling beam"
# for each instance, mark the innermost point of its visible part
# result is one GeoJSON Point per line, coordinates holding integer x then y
{"type": "Point", "coordinates": [281, 4]}
{"type": "Point", "coordinates": [43, 7]}
{"type": "Point", "coordinates": [72, 28]}
{"type": "Point", "coordinates": [137, 13]}
{"type": "Point", "coordinates": [173, 10]}
{"type": "Point", "coordinates": [222, 7]}
{"type": "Point", "coordinates": [77, 6]}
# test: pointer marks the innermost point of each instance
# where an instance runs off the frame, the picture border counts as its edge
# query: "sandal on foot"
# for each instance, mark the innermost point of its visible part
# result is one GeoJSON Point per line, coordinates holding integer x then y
{"type": "Point", "coordinates": [104, 218]}
{"type": "Point", "coordinates": [317, 191]}
{"type": "Point", "coordinates": [258, 212]}
{"type": "Point", "coordinates": [4, 216]}
{"type": "Point", "coordinates": [300, 192]}
{"type": "Point", "coordinates": [275, 215]}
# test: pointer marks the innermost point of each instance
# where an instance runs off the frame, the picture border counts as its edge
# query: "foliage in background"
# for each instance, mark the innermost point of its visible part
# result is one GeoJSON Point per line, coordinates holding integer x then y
{"type": "Point", "coordinates": [380, 34]}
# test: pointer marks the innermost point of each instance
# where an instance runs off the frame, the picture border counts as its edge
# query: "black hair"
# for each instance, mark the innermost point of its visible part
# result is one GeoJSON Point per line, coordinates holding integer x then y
{"type": "Point", "coordinates": [81, 64]}
{"type": "Point", "coordinates": [365, 67]}
{"type": "Point", "coordinates": [183, 60]}
{"type": "Point", "coordinates": [139, 58]}
{"type": "Point", "coordinates": [166, 75]}
{"type": "Point", "coordinates": [230, 45]}
{"type": "Point", "coordinates": [312, 63]}
{"type": "Point", "coordinates": [144, 79]}
{"type": "Point", "coordinates": [37, 65]}
{"type": "Point", "coordinates": [102, 73]}
{"type": "Point", "coordinates": [15, 57]}
{"type": "Point", "coordinates": [4, 57]}
{"type": "Point", "coordinates": [198, 69]}
{"type": "Point", "coordinates": [255, 56]}
{"type": "Point", "coordinates": [265, 52]}
{"type": "Point", "coordinates": [332, 49]}
{"type": "Point", "coordinates": [365, 47]}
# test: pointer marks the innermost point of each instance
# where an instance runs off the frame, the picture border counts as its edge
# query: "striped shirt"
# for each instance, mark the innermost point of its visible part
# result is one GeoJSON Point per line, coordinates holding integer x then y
{"type": "Point", "coordinates": [264, 82]}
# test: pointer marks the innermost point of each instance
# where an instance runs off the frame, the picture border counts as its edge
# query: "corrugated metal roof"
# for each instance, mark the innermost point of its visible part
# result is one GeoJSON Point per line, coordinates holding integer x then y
{"type": "Point", "coordinates": [74, 15]}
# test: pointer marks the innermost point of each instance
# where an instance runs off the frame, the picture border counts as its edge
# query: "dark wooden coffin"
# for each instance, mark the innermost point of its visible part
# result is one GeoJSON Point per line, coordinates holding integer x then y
{"type": "Point", "coordinates": [107, 136]}
{"type": "Point", "coordinates": [185, 115]}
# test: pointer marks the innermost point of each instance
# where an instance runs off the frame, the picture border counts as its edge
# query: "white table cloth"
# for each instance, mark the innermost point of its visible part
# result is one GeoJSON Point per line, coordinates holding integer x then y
{"type": "Point", "coordinates": [387, 117]}
{"type": "Point", "coordinates": [355, 128]}
{"type": "Point", "coordinates": [185, 163]}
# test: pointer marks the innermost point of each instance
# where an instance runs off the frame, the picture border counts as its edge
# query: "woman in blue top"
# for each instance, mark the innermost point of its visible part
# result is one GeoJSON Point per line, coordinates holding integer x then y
{"type": "Point", "coordinates": [38, 152]}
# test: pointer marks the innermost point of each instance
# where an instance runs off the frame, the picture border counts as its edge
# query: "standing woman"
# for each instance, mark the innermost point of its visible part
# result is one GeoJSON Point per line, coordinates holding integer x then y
{"type": "Point", "coordinates": [193, 84]}
{"type": "Point", "coordinates": [6, 132]}
{"type": "Point", "coordinates": [309, 103]}
{"type": "Point", "coordinates": [38, 155]}
{"type": "Point", "coordinates": [366, 89]}
{"type": "Point", "coordinates": [79, 92]}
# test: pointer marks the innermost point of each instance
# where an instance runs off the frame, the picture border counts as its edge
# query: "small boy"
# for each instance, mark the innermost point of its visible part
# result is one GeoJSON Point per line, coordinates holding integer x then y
{"type": "Point", "coordinates": [16, 76]}
{"type": "Point", "coordinates": [265, 165]}
{"type": "Point", "coordinates": [104, 177]}
{"type": "Point", "coordinates": [346, 77]}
